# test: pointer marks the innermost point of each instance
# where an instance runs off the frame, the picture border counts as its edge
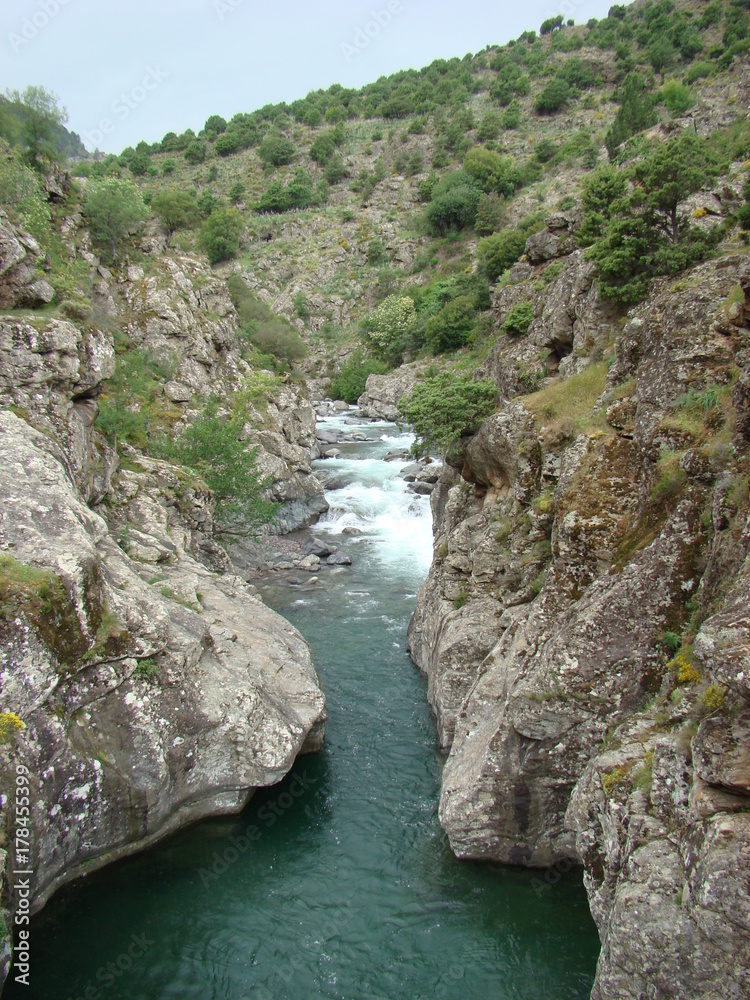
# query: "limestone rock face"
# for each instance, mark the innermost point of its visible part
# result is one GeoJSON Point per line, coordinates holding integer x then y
{"type": "Point", "coordinates": [566, 550]}
{"type": "Point", "coordinates": [154, 686]}
{"type": "Point", "coordinates": [383, 392]}
{"type": "Point", "coordinates": [663, 830]}
{"type": "Point", "coordinates": [146, 705]}
{"type": "Point", "coordinates": [285, 434]}
{"type": "Point", "coordinates": [20, 285]}
{"type": "Point", "coordinates": [555, 240]}
{"type": "Point", "coordinates": [52, 374]}
{"type": "Point", "coordinates": [570, 320]}
{"type": "Point", "coordinates": [182, 314]}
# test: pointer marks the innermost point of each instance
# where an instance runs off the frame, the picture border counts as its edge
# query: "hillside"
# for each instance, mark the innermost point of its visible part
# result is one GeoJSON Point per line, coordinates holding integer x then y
{"type": "Point", "coordinates": [367, 162]}
{"type": "Point", "coordinates": [536, 255]}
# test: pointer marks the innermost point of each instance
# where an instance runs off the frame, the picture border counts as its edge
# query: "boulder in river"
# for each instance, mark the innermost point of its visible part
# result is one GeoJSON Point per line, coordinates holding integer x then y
{"type": "Point", "coordinates": [328, 435]}
{"type": "Point", "coordinates": [317, 547]}
{"type": "Point", "coordinates": [410, 472]}
{"type": "Point", "coordinates": [339, 558]}
{"type": "Point", "coordinates": [429, 474]}
{"type": "Point", "coordinates": [310, 563]}
{"type": "Point", "coordinates": [334, 483]}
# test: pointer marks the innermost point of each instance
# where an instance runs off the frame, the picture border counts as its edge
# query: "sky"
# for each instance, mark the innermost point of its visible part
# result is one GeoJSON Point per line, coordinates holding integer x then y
{"type": "Point", "coordinates": [128, 70]}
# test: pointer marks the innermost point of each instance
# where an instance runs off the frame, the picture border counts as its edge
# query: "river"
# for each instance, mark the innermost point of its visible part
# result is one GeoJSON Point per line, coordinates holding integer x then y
{"type": "Point", "coordinates": [338, 883]}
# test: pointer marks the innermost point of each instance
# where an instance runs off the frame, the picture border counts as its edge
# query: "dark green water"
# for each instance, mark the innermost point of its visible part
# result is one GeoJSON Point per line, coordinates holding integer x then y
{"type": "Point", "coordinates": [338, 883]}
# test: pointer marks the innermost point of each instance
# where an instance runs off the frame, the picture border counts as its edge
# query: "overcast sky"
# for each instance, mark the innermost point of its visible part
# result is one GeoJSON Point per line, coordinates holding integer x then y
{"type": "Point", "coordinates": [136, 69]}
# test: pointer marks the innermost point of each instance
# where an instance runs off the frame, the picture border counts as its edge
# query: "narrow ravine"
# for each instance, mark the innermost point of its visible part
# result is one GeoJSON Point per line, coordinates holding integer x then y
{"type": "Point", "coordinates": [338, 883]}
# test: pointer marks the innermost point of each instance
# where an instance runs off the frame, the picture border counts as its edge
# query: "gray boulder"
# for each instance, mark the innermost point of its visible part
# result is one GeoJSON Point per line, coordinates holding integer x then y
{"type": "Point", "coordinates": [338, 558]}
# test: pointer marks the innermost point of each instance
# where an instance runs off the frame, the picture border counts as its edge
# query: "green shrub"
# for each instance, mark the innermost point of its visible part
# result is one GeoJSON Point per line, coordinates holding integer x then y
{"type": "Point", "coordinates": [176, 210]}
{"type": "Point", "coordinates": [323, 148]}
{"type": "Point", "coordinates": [545, 150]}
{"type": "Point", "coordinates": [139, 165]}
{"type": "Point", "coordinates": [277, 338]}
{"type": "Point", "coordinates": [236, 192]}
{"type": "Point", "coordinates": [443, 408]}
{"type": "Point", "coordinates": [350, 381]}
{"type": "Point", "coordinates": [389, 324]}
{"type": "Point", "coordinates": [277, 150]}
{"type": "Point", "coordinates": [641, 232]}
{"type": "Point", "coordinates": [335, 171]}
{"type": "Point", "coordinates": [301, 305]}
{"type": "Point", "coordinates": [454, 203]}
{"type": "Point", "coordinates": [207, 202]}
{"type": "Point", "coordinates": [269, 333]}
{"type": "Point", "coordinates": [415, 164]}
{"type": "Point", "coordinates": [213, 445]}
{"type": "Point", "coordinates": [40, 119]}
{"type": "Point", "coordinates": [196, 152]}
{"type": "Point", "coordinates": [489, 127]}
{"type": "Point", "coordinates": [227, 144]}
{"type": "Point", "coordinates": [491, 171]}
{"type": "Point", "coordinates": [551, 24]}
{"type": "Point", "coordinates": [518, 320]}
{"type": "Point", "coordinates": [699, 71]}
{"type": "Point", "coordinates": [375, 251]}
{"type": "Point", "coordinates": [78, 310]}
{"type": "Point", "coordinates": [113, 209]}
{"type": "Point", "coordinates": [554, 96]}
{"type": "Point", "coordinates": [490, 214]}
{"type": "Point", "coordinates": [220, 234]}
{"type": "Point", "coordinates": [22, 197]}
{"type": "Point", "coordinates": [500, 252]}
{"type": "Point", "coordinates": [512, 115]}
{"type": "Point", "coordinates": [576, 73]}
{"type": "Point", "coordinates": [297, 194]}
{"type": "Point", "coordinates": [147, 668]}
{"type": "Point", "coordinates": [671, 642]}
{"type": "Point", "coordinates": [274, 199]}
{"type": "Point", "coordinates": [215, 124]}
{"type": "Point", "coordinates": [450, 328]}
{"type": "Point", "coordinates": [128, 403]}
{"type": "Point", "coordinates": [636, 113]}
{"type": "Point", "coordinates": [677, 97]}
{"type": "Point", "coordinates": [711, 15]}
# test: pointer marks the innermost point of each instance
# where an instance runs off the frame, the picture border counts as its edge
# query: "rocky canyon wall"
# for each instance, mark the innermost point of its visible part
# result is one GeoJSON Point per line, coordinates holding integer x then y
{"type": "Point", "coordinates": [584, 628]}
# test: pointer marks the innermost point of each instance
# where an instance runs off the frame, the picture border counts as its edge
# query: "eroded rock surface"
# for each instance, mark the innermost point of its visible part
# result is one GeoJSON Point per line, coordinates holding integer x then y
{"type": "Point", "coordinates": [570, 540]}
{"type": "Point", "coordinates": [146, 705]}
{"type": "Point", "coordinates": [153, 685]}
{"type": "Point", "coordinates": [383, 392]}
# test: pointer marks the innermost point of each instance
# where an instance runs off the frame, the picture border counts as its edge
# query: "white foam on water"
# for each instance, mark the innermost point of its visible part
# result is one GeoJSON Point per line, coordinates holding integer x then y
{"type": "Point", "coordinates": [377, 503]}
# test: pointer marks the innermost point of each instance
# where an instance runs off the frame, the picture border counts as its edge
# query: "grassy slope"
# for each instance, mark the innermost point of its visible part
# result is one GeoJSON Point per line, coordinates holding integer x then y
{"type": "Point", "coordinates": [318, 256]}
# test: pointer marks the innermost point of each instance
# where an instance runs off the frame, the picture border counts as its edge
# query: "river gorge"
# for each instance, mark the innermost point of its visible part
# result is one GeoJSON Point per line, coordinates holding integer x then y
{"type": "Point", "coordinates": [337, 883]}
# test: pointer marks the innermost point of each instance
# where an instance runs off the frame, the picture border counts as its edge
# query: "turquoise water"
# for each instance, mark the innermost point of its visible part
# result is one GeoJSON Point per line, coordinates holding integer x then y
{"type": "Point", "coordinates": [338, 883]}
